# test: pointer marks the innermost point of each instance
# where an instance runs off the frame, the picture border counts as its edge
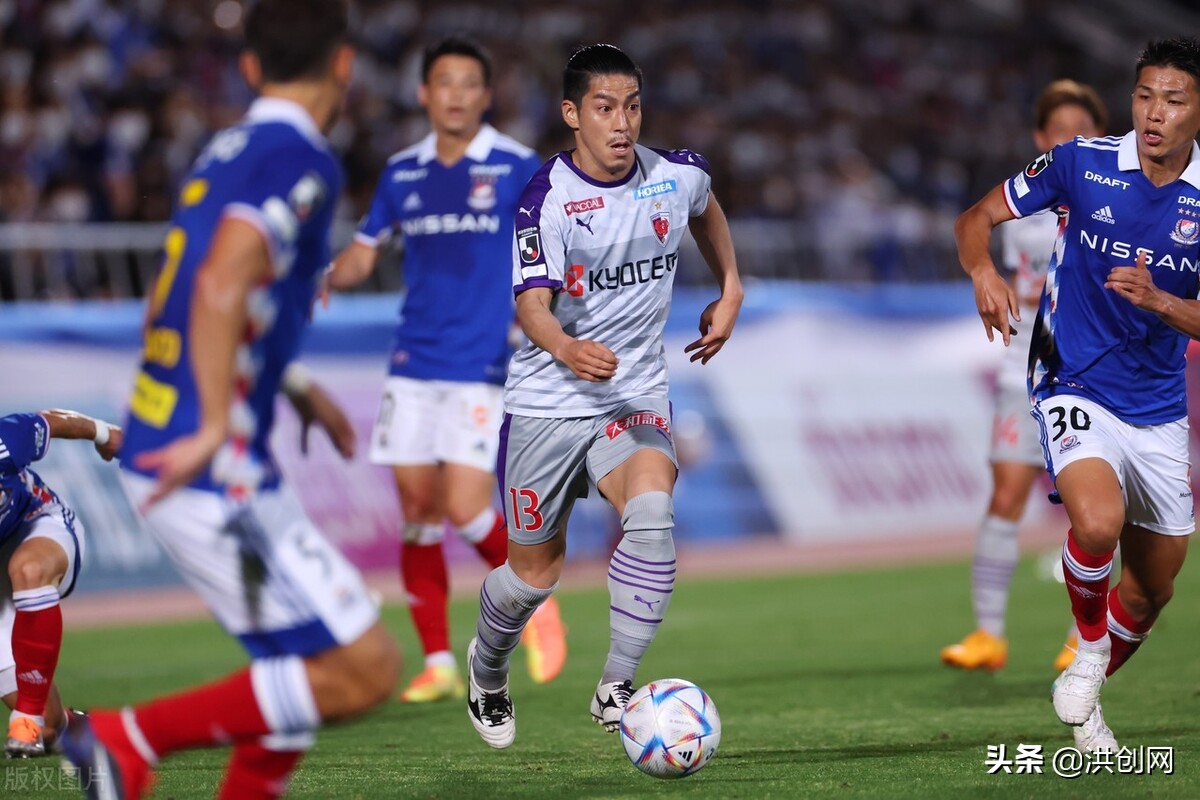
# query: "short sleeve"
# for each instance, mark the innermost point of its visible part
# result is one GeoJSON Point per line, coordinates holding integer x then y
{"type": "Point", "coordinates": [376, 227]}
{"type": "Point", "coordinates": [539, 245]}
{"type": "Point", "coordinates": [1042, 184]}
{"type": "Point", "coordinates": [24, 438]}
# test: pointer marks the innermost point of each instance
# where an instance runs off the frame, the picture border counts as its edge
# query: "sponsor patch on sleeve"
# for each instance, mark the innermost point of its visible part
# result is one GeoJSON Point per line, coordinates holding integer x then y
{"type": "Point", "coordinates": [529, 245]}
{"type": "Point", "coordinates": [1039, 164]}
{"type": "Point", "coordinates": [538, 271]}
{"type": "Point", "coordinates": [1021, 185]}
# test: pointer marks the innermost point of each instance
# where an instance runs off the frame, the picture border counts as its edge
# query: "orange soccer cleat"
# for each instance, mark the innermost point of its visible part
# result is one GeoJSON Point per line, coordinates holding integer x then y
{"type": "Point", "coordinates": [24, 738]}
{"type": "Point", "coordinates": [1067, 654]}
{"type": "Point", "coordinates": [433, 684]}
{"type": "Point", "coordinates": [545, 641]}
{"type": "Point", "coordinates": [980, 650]}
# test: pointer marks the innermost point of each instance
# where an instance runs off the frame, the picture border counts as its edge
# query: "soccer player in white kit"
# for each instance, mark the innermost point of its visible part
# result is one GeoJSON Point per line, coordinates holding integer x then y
{"type": "Point", "coordinates": [1108, 380]}
{"type": "Point", "coordinates": [1064, 110]}
{"type": "Point", "coordinates": [598, 234]}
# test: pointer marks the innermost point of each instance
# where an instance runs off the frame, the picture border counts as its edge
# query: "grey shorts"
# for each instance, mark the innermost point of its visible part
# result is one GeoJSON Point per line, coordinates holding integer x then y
{"type": "Point", "coordinates": [546, 463]}
{"type": "Point", "coordinates": [1015, 434]}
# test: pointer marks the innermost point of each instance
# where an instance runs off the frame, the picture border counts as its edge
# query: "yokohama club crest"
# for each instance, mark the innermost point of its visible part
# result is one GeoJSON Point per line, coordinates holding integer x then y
{"type": "Point", "coordinates": [1187, 231]}
{"type": "Point", "coordinates": [661, 220]}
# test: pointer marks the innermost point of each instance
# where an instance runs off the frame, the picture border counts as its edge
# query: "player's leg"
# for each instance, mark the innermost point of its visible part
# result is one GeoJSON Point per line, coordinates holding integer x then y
{"type": "Point", "coordinates": [46, 559]}
{"type": "Point", "coordinates": [635, 468]}
{"type": "Point", "coordinates": [262, 769]}
{"type": "Point", "coordinates": [1149, 564]}
{"type": "Point", "coordinates": [541, 472]}
{"type": "Point", "coordinates": [404, 437]}
{"type": "Point", "coordinates": [319, 652]}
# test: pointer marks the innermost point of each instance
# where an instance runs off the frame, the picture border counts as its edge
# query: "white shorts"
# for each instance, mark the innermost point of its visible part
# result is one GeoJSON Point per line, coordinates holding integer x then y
{"type": "Point", "coordinates": [264, 570]}
{"type": "Point", "coordinates": [427, 422]}
{"type": "Point", "coordinates": [58, 524]}
{"type": "Point", "coordinates": [1015, 436]}
{"type": "Point", "coordinates": [1151, 461]}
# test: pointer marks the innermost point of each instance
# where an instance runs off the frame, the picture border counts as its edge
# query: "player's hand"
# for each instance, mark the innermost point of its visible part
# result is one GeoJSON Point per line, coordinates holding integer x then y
{"type": "Point", "coordinates": [108, 451]}
{"type": "Point", "coordinates": [1136, 285]}
{"type": "Point", "coordinates": [996, 302]}
{"type": "Point", "coordinates": [589, 360]}
{"type": "Point", "coordinates": [315, 406]}
{"type": "Point", "coordinates": [716, 326]}
{"type": "Point", "coordinates": [178, 463]}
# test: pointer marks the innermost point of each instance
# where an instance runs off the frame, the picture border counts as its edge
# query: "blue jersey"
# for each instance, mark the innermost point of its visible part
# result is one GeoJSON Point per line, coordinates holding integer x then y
{"type": "Point", "coordinates": [275, 171]}
{"type": "Point", "coordinates": [457, 228]}
{"type": "Point", "coordinates": [1091, 341]}
{"type": "Point", "coordinates": [24, 438]}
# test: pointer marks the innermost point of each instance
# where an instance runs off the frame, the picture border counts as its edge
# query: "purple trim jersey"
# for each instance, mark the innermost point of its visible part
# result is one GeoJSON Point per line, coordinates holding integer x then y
{"type": "Point", "coordinates": [1090, 341]}
{"type": "Point", "coordinates": [608, 251]}
{"type": "Point", "coordinates": [456, 223]}
{"type": "Point", "coordinates": [275, 171]}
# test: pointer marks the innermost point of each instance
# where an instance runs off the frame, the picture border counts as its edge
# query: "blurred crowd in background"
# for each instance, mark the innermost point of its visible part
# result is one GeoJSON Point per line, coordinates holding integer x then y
{"type": "Point", "coordinates": [864, 125]}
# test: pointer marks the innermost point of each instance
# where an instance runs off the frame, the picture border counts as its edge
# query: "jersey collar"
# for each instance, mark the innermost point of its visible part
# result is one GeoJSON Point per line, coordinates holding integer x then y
{"type": "Point", "coordinates": [478, 150]}
{"type": "Point", "coordinates": [1127, 159]}
{"type": "Point", "coordinates": [277, 109]}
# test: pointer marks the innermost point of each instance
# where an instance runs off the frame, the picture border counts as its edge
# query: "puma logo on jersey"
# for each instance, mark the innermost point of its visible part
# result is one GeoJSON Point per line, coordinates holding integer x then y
{"type": "Point", "coordinates": [586, 223]}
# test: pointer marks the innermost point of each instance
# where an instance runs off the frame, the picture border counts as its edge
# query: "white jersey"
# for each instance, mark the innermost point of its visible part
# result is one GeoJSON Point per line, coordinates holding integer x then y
{"type": "Point", "coordinates": [608, 251]}
{"type": "Point", "coordinates": [1027, 244]}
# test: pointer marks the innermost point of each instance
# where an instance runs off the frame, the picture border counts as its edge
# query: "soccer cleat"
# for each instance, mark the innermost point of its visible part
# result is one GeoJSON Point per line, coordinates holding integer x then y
{"type": "Point", "coordinates": [24, 739]}
{"type": "Point", "coordinates": [979, 650]}
{"type": "Point", "coordinates": [545, 643]}
{"type": "Point", "coordinates": [491, 713]}
{"type": "Point", "coordinates": [107, 771]}
{"type": "Point", "coordinates": [1094, 736]}
{"type": "Point", "coordinates": [434, 683]}
{"type": "Point", "coordinates": [1067, 654]}
{"type": "Point", "coordinates": [608, 703]}
{"type": "Point", "coordinates": [1076, 692]}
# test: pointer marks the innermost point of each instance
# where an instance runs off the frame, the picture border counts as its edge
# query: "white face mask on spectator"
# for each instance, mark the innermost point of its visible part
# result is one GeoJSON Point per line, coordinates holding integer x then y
{"type": "Point", "coordinates": [70, 205]}
{"type": "Point", "coordinates": [128, 131]}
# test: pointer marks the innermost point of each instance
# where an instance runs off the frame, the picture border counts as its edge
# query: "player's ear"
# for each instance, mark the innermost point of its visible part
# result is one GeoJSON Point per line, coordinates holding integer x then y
{"type": "Point", "coordinates": [570, 113]}
{"type": "Point", "coordinates": [251, 69]}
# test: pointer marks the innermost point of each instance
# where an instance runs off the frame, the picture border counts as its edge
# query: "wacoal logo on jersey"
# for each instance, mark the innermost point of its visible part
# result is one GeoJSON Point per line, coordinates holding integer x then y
{"type": "Point", "coordinates": [581, 206]}
{"type": "Point", "coordinates": [451, 223]}
{"type": "Point", "coordinates": [655, 189]}
{"type": "Point", "coordinates": [1104, 180]}
{"type": "Point", "coordinates": [401, 175]}
{"type": "Point", "coordinates": [631, 273]}
{"type": "Point", "coordinates": [1125, 250]}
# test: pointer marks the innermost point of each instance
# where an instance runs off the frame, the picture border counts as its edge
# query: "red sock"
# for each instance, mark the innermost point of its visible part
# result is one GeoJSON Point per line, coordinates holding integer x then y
{"type": "Point", "coordinates": [494, 546]}
{"type": "Point", "coordinates": [36, 641]}
{"type": "Point", "coordinates": [1087, 584]}
{"type": "Point", "coordinates": [256, 773]}
{"type": "Point", "coordinates": [1126, 633]}
{"type": "Point", "coordinates": [423, 570]}
{"type": "Point", "coordinates": [210, 715]}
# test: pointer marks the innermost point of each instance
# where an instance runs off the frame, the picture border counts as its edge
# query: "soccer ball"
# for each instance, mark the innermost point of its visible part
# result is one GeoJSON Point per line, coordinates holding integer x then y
{"type": "Point", "coordinates": [670, 729]}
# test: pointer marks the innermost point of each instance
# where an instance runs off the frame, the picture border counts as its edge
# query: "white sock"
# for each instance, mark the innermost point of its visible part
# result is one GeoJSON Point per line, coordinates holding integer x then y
{"type": "Point", "coordinates": [992, 569]}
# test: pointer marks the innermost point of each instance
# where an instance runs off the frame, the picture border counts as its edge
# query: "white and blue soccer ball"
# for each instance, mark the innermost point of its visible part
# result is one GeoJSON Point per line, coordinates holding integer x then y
{"type": "Point", "coordinates": [670, 729]}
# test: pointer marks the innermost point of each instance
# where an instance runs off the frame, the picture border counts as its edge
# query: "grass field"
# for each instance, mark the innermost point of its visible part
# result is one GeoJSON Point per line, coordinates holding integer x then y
{"type": "Point", "coordinates": [828, 686]}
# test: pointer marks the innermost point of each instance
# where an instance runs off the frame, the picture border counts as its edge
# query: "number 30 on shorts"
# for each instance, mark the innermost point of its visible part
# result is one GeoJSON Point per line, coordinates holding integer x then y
{"type": "Point", "coordinates": [525, 513]}
{"type": "Point", "coordinates": [1060, 417]}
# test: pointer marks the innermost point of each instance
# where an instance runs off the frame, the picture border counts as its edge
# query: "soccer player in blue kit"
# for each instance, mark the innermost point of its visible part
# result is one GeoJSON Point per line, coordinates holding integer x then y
{"type": "Point", "coordinates": [1107, 359]}
{"type": "Point", "coordinates": [247, 243]}
{"type": "Point", "coordinates": [453, 199]}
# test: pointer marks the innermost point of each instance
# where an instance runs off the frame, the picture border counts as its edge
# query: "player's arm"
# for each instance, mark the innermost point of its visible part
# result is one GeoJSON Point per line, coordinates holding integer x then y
{"type": "Point", "coordinates": [237, 261]}
{"type": "Point", "coordinates": [1136, 285]}
{"type": "Point", "coordinates": [588, 360]}
{"type": "Point", "coordinates": [64, 424]}
{"type": "Point", "coordinates": [994, 298]}
{"type": "Point", "coordinates": [315, 405]}
{"type": "Point", "coordinates": [353, 265]}
{"type": "Point", "coordinates": [711, 232]}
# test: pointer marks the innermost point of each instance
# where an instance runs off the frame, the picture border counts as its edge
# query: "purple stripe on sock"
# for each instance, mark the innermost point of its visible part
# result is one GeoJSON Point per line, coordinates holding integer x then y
{"type": "Point", "coordinates": [486, 599]}
{"type": "Point", "coordinates": [658, 589]}
{"type": "Point", "coordinates": [613, 572]}
{"type": "Point", "coordinates": [634, 616]}
{"type": "Point", "coordinates": [618, 558]}
{"type": "Point", "coordinates": [670, 563]}
{"type": "Point", "coordinates": [496, 624]}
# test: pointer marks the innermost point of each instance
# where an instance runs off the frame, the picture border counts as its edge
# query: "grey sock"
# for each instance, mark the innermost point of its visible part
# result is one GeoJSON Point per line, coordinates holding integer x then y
{"type": "Point", "coordinates": [641, 576]}
{"type": "Point", "coordinates": [505, 604]}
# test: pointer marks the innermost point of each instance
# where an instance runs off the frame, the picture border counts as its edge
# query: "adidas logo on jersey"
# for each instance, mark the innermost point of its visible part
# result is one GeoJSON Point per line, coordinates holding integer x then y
{"type": "Point", "coordinates": [1104, 215]}
{"type": "Point", "coordinates": [412, 202]}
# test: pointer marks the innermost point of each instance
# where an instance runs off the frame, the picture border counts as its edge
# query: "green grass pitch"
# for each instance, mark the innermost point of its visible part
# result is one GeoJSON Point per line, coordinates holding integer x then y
{"type": "Point", "coordinates": [828, 685]}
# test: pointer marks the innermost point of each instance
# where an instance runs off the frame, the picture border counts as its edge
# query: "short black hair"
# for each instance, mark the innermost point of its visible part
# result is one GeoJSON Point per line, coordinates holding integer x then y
{"type": "Point", "coordinates": [457, 46]}
{"type": "Point", "coordinates": [295, 39]}
{"type": "Point", "coordinates": [592, 60]}
{"type": "Point", "coordinates": [1181, 53]}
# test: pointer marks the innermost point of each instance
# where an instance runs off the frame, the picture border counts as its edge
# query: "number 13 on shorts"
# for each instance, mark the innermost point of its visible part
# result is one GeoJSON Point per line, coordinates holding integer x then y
{"type": "Point", "coordinates": [524, 504]}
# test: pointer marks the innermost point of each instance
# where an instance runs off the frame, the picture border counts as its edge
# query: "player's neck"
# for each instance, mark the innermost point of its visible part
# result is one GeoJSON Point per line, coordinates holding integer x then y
{"type": "Point", "coordinates": [451, 147]}
{"type": "Point", "coordinates": [1167, 169]}
{"type": "Point", "coordinates": [316, 98]}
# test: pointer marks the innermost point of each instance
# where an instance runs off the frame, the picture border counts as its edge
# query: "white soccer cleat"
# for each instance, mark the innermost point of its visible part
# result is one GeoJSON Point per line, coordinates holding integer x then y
{"type": "Point", "coordinates": [491, 712]}
{"type": "Point", "coordinates": [1094, 736]}
{"type": "Point", "coordinates": [1076, 692]}
{"type": "Point", "coordinates": [608, 703]}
